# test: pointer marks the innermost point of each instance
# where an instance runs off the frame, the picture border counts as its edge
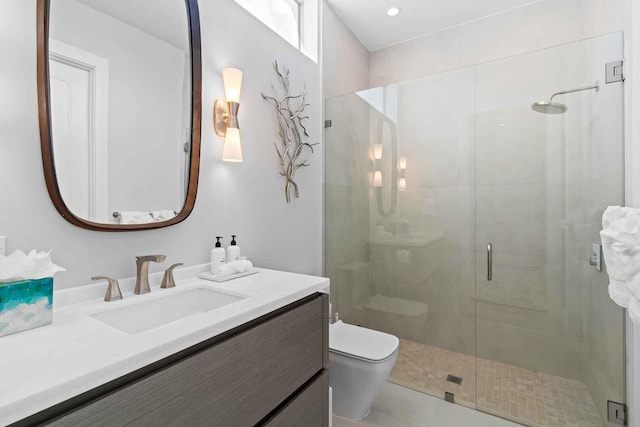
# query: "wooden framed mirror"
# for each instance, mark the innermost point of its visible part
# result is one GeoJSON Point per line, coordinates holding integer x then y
{"type": "Point", "coordinates": [119, 103]}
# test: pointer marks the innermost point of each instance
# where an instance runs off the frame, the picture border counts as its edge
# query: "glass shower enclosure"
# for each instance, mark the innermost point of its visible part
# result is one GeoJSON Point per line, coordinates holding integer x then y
{"type": "Point", "coordinates": [462, 221]}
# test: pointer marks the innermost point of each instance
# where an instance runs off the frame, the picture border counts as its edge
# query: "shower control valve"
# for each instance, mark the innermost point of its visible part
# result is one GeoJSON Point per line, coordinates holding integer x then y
{"type": "Point", "coordinates": [596, 256]}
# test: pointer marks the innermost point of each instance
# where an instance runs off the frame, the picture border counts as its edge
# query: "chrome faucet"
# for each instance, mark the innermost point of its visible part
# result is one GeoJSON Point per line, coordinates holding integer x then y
{"type": "Point", "coordinates": [142, 275]}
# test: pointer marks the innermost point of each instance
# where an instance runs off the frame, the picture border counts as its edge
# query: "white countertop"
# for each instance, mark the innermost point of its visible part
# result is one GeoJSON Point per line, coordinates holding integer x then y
{"type": "Point", "coordinates": [48, 365]}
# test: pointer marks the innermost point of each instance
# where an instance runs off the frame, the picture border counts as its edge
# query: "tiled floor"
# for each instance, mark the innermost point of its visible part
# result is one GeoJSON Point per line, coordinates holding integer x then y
{"type": "Point", "coordinates": [398, 406]}
{"type": "Point", "coordinates": [520, 394]}
{"type": "Point", "coordinates": [425, 368]}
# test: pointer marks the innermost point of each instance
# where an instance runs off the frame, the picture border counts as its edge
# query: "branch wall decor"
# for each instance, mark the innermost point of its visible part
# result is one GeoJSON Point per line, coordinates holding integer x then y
{"type": "Point", "coordinates": [292, 133]}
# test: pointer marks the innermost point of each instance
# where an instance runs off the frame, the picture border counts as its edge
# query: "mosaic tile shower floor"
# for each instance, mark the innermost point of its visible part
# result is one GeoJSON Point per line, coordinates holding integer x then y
{"type": "Point", "coordinates": [529, 397]}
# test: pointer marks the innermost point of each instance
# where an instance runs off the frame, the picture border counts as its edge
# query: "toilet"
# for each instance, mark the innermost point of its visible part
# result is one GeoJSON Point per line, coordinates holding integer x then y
{"type": "Point", "coordinates": [360, 361]}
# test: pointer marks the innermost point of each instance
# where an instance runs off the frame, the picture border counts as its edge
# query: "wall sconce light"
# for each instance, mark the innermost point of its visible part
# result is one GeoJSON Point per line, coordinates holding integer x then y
{"type": "Point", "coordinates": [402, 163]}
{"type": "Point", "coordinates": [225, 115]}
{"type": "Point", "coordinates": [377, 179]}
{"type": "Point", "coordinates": [377, 151]}
{"type": "Point", "coordinates": [402, 184]}
{"type": "Point", "coordinates": [377, 156]}
{"type": "Point", "coordinates": [402, 180]}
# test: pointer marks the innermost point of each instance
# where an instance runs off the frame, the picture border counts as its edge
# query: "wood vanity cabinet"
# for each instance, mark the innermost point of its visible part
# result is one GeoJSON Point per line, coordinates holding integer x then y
{"type": "Point", "coordinates": [271, 371]}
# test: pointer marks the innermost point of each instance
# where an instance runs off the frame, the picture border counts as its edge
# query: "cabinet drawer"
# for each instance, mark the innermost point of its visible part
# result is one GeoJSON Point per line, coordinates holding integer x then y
{"type": "Point", "coordinates": [308, 408]}
{"type": "Point", "coordinates": [236, 382]}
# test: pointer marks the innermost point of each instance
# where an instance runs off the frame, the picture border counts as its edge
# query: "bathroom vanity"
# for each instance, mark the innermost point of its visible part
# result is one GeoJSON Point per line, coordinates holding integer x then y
{"type": "Point", "coordinates": [259, 359]}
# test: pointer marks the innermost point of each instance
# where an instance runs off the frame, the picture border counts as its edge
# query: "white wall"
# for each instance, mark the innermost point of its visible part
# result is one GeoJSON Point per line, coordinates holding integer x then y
{"type": "Point", "coordinates": [345, 60]}
{"type": "Point", "coordinates": [245, 199]}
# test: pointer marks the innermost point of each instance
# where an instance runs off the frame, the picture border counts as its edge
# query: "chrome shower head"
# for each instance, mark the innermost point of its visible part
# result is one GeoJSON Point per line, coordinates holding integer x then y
{"type": "Point", "coordinates": [549, 107]}
{"type": "Point", "coordinates": [552, 107]}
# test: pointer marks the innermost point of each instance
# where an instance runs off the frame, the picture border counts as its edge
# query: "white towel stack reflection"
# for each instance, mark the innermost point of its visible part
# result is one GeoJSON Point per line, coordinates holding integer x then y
{"type": "Point", "coordinates": [233, 267]}
{"type": "Point", "coordinates": [135, 217]}
{"type": "Point", "coordinates": [620, 237]}
{"type": "Point", "coordinates": [163, 215]}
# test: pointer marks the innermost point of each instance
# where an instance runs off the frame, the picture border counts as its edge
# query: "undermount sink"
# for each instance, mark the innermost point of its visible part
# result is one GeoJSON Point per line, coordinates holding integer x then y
{"type": "Point", "coordinates": [156, 312]}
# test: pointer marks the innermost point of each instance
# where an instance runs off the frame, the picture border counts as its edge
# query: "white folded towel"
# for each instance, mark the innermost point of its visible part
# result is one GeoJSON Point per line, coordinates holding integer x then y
{"type": "Point", "coordinates": [233, 267]}
{"type": "Point", "coordinates": [620, 238]}
{"type": "Point", "coordinates": [163, 215]}
{"type": "Point", "coordinates": [135, 217]}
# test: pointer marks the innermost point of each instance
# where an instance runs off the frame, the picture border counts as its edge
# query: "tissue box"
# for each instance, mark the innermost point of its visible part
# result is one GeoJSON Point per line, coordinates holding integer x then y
{"type": "Point", "coordinates": [25, 305]}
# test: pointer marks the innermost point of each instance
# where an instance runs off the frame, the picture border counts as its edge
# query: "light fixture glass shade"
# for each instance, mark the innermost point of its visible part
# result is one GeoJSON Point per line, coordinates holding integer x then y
{"type": "Point", "coordinates": [402, 184]}
{"type": "Point", "coordinates": [232, 150]}
{"type": "Point", "coordinates": [402, 162]}
{"type": "Point", "coordinates": [377, 151]}
{"type": "Point", "coordinates": [377, 179]}
{"type": "Point", "coordinates": [232, 78]}
{"type": "Point", "coordinates": [393, 11]}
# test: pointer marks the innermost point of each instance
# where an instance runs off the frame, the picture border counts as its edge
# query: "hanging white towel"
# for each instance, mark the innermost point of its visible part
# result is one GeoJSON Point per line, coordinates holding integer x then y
{"type": "Point", "coordinates": [620, 238]}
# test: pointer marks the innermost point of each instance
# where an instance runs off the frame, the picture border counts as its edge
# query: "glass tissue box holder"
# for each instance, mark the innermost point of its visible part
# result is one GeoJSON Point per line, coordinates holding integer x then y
{"type": "Point", "coordinates": [25, 305]}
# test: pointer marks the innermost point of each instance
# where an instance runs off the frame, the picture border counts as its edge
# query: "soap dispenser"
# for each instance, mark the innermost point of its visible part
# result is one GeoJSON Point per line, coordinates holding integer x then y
{"type": "Point", "coordinates": [218, 255]}
{"type": "Point", "coordinates": [233, 251]}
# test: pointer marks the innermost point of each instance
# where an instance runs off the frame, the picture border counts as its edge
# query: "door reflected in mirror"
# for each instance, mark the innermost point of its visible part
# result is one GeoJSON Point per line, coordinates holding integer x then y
{"type": "Point", "coordinates": [120, 108]}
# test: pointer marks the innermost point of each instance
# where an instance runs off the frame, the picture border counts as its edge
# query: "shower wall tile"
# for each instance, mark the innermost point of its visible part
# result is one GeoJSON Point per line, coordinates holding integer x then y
{"type": "Point", "coordinates": [513, 218]}
{"type": "Point", "coordinates": [510, 314]}
{"type": "Point", "coordinates": [540, 25]}
{"type": "Point", "coordinates": [436, 129]}
{"type": "Point", "coordinates": [347, 142]}
{"type": "Point", "coordinates": [451, 332]}
{"type": "Point", "coordinates": [518, 145]}
{"type": "Point", "coordinates": [437, 52]}
{"type": "Point", "coordinates": [447, 270]}
{"type": "Point", "coordinates": [347, 171]}
{"type": "Point", "coordinates": [544, 351]}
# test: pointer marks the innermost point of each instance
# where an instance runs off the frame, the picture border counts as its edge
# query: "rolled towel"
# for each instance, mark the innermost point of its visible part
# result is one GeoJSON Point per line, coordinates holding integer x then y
{"type": "Point", "coordinates": [233, 267]}
{"type": "Point", "coordinates": [163, 215]}
{"type": "Point", "coordinates": [224, 271]}
{"type": "Point", "coordinates": [135, 217]}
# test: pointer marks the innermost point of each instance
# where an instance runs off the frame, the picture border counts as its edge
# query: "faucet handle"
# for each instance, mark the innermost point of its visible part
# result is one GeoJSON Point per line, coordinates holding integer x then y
{"type": "Point", "coordinates": [113, 290]}
{"type": "Point", "coordinates": [168, 280]}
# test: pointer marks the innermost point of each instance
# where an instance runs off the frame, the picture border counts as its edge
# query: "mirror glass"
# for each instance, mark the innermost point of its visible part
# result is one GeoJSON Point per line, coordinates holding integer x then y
{"type": "Point", "coordinates": [120, 106]}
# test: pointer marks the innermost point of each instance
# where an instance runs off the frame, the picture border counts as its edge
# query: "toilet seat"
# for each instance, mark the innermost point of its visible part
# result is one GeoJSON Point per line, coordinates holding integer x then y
{"type": "Point", "coordinates": [361, 343]}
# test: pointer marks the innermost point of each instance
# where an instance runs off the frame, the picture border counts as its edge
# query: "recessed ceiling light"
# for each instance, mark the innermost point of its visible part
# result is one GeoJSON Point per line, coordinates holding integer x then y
{"type": "Point", "coordinates": [393, 11]}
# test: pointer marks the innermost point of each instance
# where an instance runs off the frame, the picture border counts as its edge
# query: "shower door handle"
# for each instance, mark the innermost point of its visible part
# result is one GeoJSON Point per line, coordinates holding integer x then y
{"type": "Point", "coordinates": [489, 261]}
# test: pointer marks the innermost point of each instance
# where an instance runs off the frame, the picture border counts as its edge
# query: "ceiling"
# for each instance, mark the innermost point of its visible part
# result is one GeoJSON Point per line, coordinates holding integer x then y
{"type": "Point", "coordinates": [369, 22]}
{"type": "Point", "coordinates": [164, 19]}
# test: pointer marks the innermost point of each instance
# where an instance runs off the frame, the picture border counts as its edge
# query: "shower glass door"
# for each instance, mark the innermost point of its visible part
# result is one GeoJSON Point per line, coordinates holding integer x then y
{"type": "Point", "coordinates": [421, 176]}
{"type": "Point", "coordinates": [549, 340]}
{"type": "Point", "coordinates": [399, 236]}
